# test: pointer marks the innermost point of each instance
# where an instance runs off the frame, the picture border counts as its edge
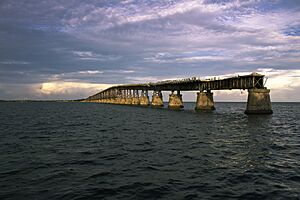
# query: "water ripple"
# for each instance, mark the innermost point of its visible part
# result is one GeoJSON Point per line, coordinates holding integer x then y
{"type": "Point", "coordinates": [96, 151]}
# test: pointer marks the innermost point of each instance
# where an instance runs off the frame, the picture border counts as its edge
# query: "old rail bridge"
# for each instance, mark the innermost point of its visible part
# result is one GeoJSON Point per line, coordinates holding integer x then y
{"type": "Point", "coordinates": [137, 94]}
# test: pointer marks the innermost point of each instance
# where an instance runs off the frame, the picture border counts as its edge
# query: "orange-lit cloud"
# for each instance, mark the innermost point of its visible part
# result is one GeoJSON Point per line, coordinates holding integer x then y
{"type": "Point", "coordinates": [70, 89]}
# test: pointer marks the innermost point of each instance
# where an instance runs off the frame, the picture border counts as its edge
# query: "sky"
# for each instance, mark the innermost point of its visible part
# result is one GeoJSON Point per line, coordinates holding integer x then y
{"type": "Point", "coordinates": [55, 49]}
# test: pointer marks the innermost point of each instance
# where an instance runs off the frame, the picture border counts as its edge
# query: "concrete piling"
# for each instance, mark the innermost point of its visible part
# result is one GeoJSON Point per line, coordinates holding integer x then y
{"type": "Point", "coordinates": [135, 101]}
{"type": "Point", "coordinates": [205, 101]}
{"type": "Point", "coordinates": [144, 98]}
{"type": "Point", "coordinates": [128, 99]}
{"type": "Point", "coordinates": [157, 100]}
{"type": "Point", "coordinates": [135, 98]}
{"type": "Point", "coordinates": [144, 101]}
{"type": "Point", "coordinates": [175, 100]}
{"type": "Point", "coordinates": [259, 102]}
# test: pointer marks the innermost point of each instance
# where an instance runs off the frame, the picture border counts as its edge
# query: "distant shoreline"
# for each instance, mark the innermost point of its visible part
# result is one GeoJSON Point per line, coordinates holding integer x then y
{"type": "Point", "coordinates": [78, 100]}
{"type": "Point", "coordinates": [40, 100]}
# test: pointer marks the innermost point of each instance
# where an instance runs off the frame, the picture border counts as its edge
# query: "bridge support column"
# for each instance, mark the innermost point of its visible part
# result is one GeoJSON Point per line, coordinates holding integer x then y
{"type": "Point", "coordinates": [135, 98]}
{"type": "Point", "coordinates": [128, 99]}
{"type": "Point", "coordinates": [118, 97]}
{"type": "Point", "coordinates": [144, 98]}
{"type": "Point", "coordinates": [115, 96]}
{"type": "Point", "coordinates": [123, 97]}
{"type": "Point", "coordinates": [259, 101]}
{"type": "Point", "coordinates": [205, 101]}
{"type": "Point", "coordinates": [157, 100]}
{"type": "Point", "coordinates": [175, 100]}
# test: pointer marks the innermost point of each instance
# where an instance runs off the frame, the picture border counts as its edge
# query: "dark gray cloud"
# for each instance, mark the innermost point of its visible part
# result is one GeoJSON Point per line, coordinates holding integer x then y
{"type": "Point", "coordinates": [113, 42]}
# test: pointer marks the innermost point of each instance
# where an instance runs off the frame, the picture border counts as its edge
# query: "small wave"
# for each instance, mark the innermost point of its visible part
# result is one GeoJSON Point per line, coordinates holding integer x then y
{"type": "Point", "coordinates": [154, 193]}
{"type": "Point", "coordinates": [279, 147]}
{"type": "Point", "coordinates": [294, 178]}
{"type": "Point", "coordinates": [55, 176]}
{"type": "Point", "coordinates": [136, 186]}
{"type": "Point", "coordinates": [11, 172]}
{"type": "Point", "coordinates": [188, 157]}
{"type": "Point", "coordinates": [86, 152]}
{"type": "Point", "coordinates": [101, 174]}
{"type": "Point", "coordinates": [139, 150]}
{"type": "Point", "coordinates": [149, 168]}
{"type": "Point", "coordinates": [82, 162]}
{"type": "Point", "coordinates": [91, 193]}
{"type": "Point", "coordinates": [113, 157]}
{"type": "Point", "coordinates": [191, 196]}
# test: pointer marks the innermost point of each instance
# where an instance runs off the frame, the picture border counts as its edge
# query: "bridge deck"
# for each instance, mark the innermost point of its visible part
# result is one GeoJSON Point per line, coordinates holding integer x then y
{"type": "Point", "coordinates": [253, 80]}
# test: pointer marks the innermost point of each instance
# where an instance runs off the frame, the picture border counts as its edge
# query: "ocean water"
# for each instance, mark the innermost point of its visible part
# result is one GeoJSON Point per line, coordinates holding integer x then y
{"type": "Point", "coordinates": [66, 150]}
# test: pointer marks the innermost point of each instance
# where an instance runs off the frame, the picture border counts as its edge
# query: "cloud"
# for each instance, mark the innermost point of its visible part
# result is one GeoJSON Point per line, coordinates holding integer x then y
{"type": "Point", "coordinates": [129, 12]}
{"type": "Point", "coordinates": [83, 53]}
{"type": "Point", "coordinates": [185, 57]}
{"type": "Point", "coordinates": [14, 62]}
{"type": "Point", "coordinates": [91, 72]}
{"type": "Point", "coordinates": [88, 55]}
{"type": "Point", "coordinates": [69, 89]}
{"type": "Point", "coordinates": [56, 90]}
{"type": "Point", "coordinates": [121, 71]}
{"type": "Point", "coordinates": [281, 80]}
{"type": "Point", "coordinates": [89, 75]}
{"type": "Point", "coordinates": [277, 79]}
{"type": "Point", "coordinates": [76, 76]}
{"type": "Point", "coordinates": [201, 58]}
{"type": "Point", "coordinates": [243, 34]}
{"type": "Point", "coordinates": [115, 42]}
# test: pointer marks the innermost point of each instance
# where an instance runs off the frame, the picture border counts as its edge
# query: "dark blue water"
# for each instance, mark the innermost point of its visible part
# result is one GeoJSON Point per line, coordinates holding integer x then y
{"type": "Point", "coordinates": [52, 150]}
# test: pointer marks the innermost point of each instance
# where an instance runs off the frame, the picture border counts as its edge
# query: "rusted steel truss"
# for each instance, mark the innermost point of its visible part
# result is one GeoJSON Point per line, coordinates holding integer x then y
{"type": "Point", "coordinates": [239, 82]}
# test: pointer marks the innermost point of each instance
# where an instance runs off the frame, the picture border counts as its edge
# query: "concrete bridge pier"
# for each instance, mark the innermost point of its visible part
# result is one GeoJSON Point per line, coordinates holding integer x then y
{"type": "Point", "coordinates": [175, 100]}
{"type": "Point", "coordinates": [118, 97]}
{"type": "Point", "coordinates": [259, 101]}
{"type": "Point", "coordinates": [144, 98]}
{"type": "Point", "coordinates": [135, 98]}
{"type": "Point", "coordinates": [113, 96]}
{"type": "Point", "coordinates": [157, 99]}
{"type": "Point", "coordinates": [205, 101]}
{"type": "Point", "coordinates": [123, 97]}
{"type": "Point", "coordinates": [108, 96]}
{"type": "Point", "coordinates": [128, 99]}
